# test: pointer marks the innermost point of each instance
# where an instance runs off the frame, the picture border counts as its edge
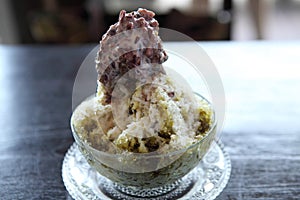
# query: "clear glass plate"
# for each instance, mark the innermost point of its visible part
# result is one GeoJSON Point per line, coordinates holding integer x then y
{"type": "Point", "coordinates": [206, 181]}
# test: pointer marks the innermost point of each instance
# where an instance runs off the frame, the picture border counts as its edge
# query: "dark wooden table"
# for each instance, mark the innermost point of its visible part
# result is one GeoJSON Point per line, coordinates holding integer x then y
{"type": "Point", "coordinates": [261, 132]}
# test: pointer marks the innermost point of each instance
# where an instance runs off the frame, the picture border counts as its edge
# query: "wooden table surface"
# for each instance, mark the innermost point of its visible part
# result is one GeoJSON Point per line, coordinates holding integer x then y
{"type": "Point", "coordinates": [261, 132]}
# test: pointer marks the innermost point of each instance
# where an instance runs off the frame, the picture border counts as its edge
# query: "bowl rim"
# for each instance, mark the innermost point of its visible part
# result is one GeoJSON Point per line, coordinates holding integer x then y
{"type": "Point", "coordinates": [148, 154]}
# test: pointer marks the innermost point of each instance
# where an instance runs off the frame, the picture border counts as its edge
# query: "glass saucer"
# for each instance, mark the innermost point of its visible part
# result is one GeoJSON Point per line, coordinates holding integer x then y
{"type": "Point", "coordinates": [206, 181]}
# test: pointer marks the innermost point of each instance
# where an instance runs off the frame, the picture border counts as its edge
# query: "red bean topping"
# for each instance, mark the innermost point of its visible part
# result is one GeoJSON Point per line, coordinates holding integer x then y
{"type": "Point", "coordinates": [146, 13]}
{"type": "Point", "coordinates": [152, 51]}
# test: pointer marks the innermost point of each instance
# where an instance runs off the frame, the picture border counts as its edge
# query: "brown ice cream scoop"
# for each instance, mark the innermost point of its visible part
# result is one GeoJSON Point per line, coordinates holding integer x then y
{"type": "Point", "coordinates": [130, 44]}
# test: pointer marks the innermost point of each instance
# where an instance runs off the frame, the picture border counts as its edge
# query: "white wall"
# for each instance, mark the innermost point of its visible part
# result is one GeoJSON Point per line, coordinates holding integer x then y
{"type": "Point", "coordinates": [8, 31]}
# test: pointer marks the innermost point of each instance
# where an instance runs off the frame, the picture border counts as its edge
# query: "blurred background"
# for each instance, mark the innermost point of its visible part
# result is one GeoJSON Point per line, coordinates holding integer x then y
{"type": "Point", "coordinates": [83, 21]}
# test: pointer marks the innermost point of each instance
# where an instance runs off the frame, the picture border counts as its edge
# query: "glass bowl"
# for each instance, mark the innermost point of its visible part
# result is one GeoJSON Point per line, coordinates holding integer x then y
{"type": "Point", "coordinates": [147, 170]}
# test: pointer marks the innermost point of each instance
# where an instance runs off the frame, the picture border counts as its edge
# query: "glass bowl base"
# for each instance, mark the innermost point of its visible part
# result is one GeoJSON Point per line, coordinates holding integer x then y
{"type": "Point", "coordinates": [206, 181]}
